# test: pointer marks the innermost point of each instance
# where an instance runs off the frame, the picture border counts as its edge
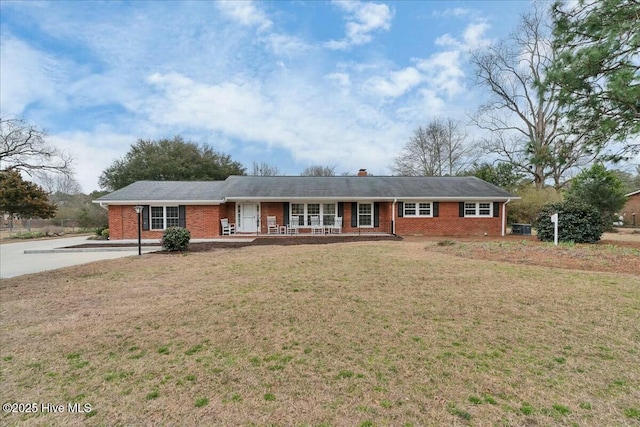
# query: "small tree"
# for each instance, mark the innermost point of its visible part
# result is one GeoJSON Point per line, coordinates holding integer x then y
{"type": "Point", "coordinates": [599, 188]}
{"type": "Point", "coordinates": [23, 198]}
{"type": "Point", "coordinates": [503, 174]}
{"type": "Point", "coordinates": [531, 202]}
{"type": "Point", "coordinates": [176, 239]}
{"type": "Point", "coordinates": [577, 223]}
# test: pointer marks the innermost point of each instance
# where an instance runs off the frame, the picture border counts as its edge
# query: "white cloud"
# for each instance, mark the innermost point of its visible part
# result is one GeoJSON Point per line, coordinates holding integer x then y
{"type": "Point", "coordinates": [397, 83]}
{"type": "Point", "coordinates": [363, 19]}
{"type": "Point", "coordinates": [93, 152]}
{"type": "Point", "coordinates": [474, 35]}
{"type": "Point", "coordinates": [27, 75]}
{"type": "Point", "coordinates": [246, 13]}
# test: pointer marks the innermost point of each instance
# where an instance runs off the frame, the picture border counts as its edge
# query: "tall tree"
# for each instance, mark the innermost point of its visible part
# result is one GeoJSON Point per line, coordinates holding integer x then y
{"type": "Point", "coordinates": [440, 148]}
{"type": "Point", "coordinates": [264, 169]}
{"type": "Point", "coordinates": [23, 147]}
{"type": "Point", "coordinates": [597, 68]}
{"type": "Point", "coordinates": [168, 160]}
{"type": "Point", "coordinates": [599, 188]}
{"type": "Point", "coordinates": [318, 170]}
{"type": "Point", "coordinates": [522, 115]}
{"type": "Point", "coordinates": [23, 198]}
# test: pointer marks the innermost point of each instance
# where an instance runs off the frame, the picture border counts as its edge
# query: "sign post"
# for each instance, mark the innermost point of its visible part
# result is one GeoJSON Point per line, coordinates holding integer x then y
{"type": "Point", "coordinates": [554, 220]}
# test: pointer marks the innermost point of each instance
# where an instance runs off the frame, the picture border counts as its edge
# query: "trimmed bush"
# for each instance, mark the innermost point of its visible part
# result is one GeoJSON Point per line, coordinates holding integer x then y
{"type": "Point", "coordinates": [176, 239]}
{"type": "Point", "coordinates": [105, 234]}
{"type": "Point", "coordinates": [577, 223]}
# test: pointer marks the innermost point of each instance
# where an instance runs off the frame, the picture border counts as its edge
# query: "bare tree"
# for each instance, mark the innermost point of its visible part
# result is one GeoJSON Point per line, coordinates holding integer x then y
{"type": "Point", "coordinates": [59, 183]}
{"type": "Point", "coordinates": [23, 148]}
{"type": "Point", "coordinates": [440, 148]}
{"type": "Point", "coordinates": [318, 170]}
{"type": "Point", "coordinates": [523, 116]}
{"type": "Point", "coordinates": [264, 169]}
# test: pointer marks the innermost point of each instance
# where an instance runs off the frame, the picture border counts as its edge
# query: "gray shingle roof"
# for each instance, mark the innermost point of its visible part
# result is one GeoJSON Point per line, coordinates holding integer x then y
{"type": "Point", "coordinates": [359, 187]}
{"type": "Point", "coordinates": [147, 191]}
{"type": "Point", "coordinates": [302, 187]}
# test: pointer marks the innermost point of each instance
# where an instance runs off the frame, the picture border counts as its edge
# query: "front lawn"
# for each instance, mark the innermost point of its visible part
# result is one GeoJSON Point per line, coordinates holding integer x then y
{"type": "Point", "coordinates": [355, 334]}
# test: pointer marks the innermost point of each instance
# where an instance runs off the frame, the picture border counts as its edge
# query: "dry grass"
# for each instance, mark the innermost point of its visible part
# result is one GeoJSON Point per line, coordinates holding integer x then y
{"type": "Point", "coordinates": [380, 333]}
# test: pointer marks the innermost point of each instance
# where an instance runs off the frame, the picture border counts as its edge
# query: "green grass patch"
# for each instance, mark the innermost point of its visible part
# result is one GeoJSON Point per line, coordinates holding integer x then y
{"type": "Point", "coordinates": [201, 401]}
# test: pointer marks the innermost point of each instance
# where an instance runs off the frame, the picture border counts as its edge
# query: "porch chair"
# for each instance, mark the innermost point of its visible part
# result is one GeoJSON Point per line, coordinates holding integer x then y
{"type": "Point", "coordinates": [293, 226]}
{"type": "Point", "coordinates": [337, 225]}
{"type": "Point", "coordinates": [227, 228]}
{"type": "Point", "coordinates": [316, 228]}
{"type": "Point", "coordinates": [272, 225]}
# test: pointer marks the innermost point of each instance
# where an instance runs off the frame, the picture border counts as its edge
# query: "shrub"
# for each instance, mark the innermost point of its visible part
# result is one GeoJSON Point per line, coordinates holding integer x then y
{"type": "Point", "coordinates": [105, 234]}
{"type": "Point", "coordinates": [577, 223]}
{"type": "Point", "coordinates": [176, 239]}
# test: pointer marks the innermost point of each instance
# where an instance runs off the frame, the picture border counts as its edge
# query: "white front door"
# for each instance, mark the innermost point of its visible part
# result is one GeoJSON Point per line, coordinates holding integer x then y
{"type": "Point", "coordinates": [248, 218]}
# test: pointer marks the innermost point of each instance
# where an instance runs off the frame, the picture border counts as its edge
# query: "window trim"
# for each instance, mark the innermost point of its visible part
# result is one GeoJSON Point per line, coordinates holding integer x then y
{"type": "Point", "coordinates": [164, 216]}
{"type": "Point", "coordinates": [417, 209]}
{"type": "Point", "coordinates": [476, 208]}
{"type": "Point", "coordinates": [371, 215]}
{"type": "Point", "coordinates": [307, 216]}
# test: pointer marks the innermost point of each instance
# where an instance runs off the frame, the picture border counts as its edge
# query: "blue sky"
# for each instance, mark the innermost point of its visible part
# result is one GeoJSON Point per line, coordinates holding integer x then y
{"type": "Point", "coordinates": [288, 83]}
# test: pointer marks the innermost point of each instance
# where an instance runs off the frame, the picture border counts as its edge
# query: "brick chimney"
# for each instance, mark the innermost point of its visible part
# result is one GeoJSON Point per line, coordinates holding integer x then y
{"type": "Point", "coordinates": [362, 172]}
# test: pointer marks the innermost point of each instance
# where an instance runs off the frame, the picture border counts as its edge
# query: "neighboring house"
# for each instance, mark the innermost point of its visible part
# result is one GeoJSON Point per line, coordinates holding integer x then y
{"type": "Point", "coordinates": [631, 209]}
{"type": "Point", "coordinates": [442, 206]}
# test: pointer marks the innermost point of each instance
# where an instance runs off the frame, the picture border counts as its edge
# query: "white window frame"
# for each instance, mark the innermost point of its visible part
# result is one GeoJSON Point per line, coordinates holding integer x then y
{"type": "Point", "coordinates": [417, 208]}
{"type": "Point", "coordinates": [306, 222]}
{"type": "Point", "coordinates": [164, 216]}
{"type": "Point", "coordinates": [360, 225]}
{"type": "Point", "coordinates": [477, 209]}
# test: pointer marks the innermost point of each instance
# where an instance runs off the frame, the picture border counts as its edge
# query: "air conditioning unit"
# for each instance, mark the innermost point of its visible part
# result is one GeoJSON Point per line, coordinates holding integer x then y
{"type": "Point", "coordinates": [521, 229]}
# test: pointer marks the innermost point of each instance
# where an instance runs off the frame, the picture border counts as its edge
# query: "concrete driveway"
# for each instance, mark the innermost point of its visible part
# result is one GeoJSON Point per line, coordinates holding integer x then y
{"type": "Point", "coordinates": [14, 261]}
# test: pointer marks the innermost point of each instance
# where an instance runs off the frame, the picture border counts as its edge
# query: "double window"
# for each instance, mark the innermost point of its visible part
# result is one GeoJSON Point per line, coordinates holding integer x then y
{"type": "Point", "coordinates": [478, 209]}
{"type": "Point", "coordinates": [163, 217]}
{"type": "Point", "coordinates": [417, 209]}
{"type": "Point", "coordinates": [326, 212]}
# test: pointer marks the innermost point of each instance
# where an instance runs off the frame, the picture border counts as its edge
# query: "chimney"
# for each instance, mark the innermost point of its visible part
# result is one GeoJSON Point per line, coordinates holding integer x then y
{"type": "Point", "coordinates": [362, 172]}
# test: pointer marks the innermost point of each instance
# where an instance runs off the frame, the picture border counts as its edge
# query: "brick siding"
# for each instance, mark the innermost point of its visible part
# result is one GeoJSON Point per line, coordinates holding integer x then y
{"type": "Point", "coordinates": [204, 221]}
{"type": "Point", "coordinates": [632, 205]}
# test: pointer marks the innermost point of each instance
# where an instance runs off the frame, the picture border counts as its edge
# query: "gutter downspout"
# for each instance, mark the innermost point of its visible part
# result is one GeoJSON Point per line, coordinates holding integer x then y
{"type": "Point", "coordinates": [104, 206]}
{"type": "Point", "coordinates": [504, 217]}
{"type": "Point", "coordinates": [393, 217]}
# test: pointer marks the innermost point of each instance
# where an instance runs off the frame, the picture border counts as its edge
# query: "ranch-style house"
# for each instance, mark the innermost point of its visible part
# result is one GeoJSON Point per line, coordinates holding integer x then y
{"type": "Point", "coordinates": [401, 205]}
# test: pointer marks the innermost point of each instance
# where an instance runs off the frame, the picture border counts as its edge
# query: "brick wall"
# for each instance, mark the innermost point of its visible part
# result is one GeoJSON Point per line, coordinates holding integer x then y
{"type": "Point", "coordinates": [632, 205]}
{"type": "Point", "coordinates": [448, 223]}
{"type": "Point", "coordinates": [202, 221]}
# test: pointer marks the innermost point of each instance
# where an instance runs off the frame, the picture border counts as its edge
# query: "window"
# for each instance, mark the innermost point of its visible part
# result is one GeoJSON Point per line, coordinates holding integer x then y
{"type": "Point", "coordinates": [157, 217]}
{"type": "Point", "coordinates": [313, 209]}
{"type": "Point", "coordinates": [172, 216]}
{"type": "Point", "coordinates": [477, 209]}
{"type": "Point", "coordinates": [328, 214]}
{"type": "Point", "coordinates": [365, 214]}
{"type": "Point", "coordinates": [164, 216]}
{"type": "Point", "coordinates": [304, 211]}
{"type": "Point", "coordinates": [297, 209]}
{"type": "Point", "coordinates": [417, 209]}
